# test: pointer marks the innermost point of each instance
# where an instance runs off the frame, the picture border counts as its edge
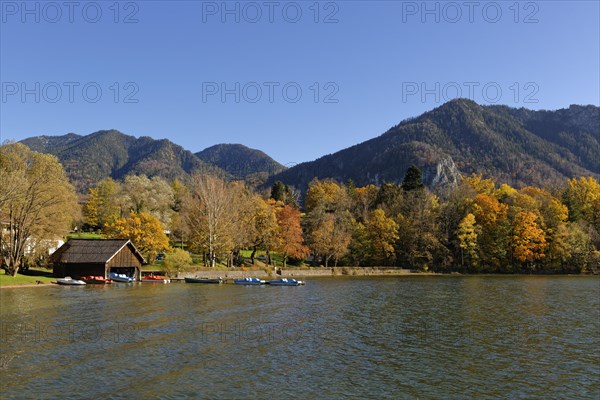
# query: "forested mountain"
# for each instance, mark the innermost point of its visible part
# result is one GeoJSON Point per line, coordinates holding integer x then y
{"type": "Point", "coordinates": [50, 144]}
{"type": "Point", "coordinates": [89, 159]}
{"type": "Point", "coordinates": [516, 146]}
{"type": "Point", "coordinates": [240, 161]}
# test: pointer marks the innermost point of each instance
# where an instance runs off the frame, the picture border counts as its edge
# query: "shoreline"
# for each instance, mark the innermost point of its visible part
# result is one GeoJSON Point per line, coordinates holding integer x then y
{"type": "Point", "coordinates": [332, 272]}
{"type": "Point", "coordinates": [305, 273]}
{"type": "Point", "coordinates": [25, 285]}
{"type": "Point", "coordinates": [340, 272]}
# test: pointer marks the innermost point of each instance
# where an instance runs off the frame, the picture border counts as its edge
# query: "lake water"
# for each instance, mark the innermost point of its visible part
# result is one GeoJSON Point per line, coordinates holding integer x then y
{"type": "Point", "coordinates": [398, 337]}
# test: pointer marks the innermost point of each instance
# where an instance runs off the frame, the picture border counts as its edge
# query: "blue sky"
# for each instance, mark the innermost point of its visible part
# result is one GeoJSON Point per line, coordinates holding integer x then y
{"type": "Point", "coordinates": [297, 80]}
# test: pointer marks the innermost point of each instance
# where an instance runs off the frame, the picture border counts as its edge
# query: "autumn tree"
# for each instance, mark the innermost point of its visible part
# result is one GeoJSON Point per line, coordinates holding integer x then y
{"type": "Point", "coordinates": [180, 192]}
{"type": "Point", "coordinates": [329, 223]}
{"type": "Point", "coordinates": [177, 225]}
{"type": "Point", "coordinates": [492, 220]}
{"type": "Point", "coordinates": [290, 241]}
{"type": "Point", "coordinates": [480, 185]}
{"type": "Point", "coordinates": [421, 242]}
{"type": "Point", "coordinates": [329, 234]}
{"type": "Point", "coordinates": [262, 227]}
{"type": "Point", "coordinates": [528, 241]}
{"type": "Point", "coordinates": [38, 204]}
{"type": "Point", "coordinates": [363, 201]}
{"type": "Point", "coordinates": [12, 173]}
{"type": "Point", "coordinates": [383, 234]}
{"type": "Point", "coordinates": [111, 201]}
{"type": "Point", "coordinates": [327, 195]}
{"type": "Point", "coordinates": [458, 204]}
{"type": "Point", "coordinates": [104, 204]}
{"type": "Point", "coordinates": [552, 217]}
{"type": "Point", "coordinates": [154, 196]}
{"type": "Point", "coordinates": [579, 248]}
{"type": "Point", "coordinates": [504, 192]}
{"type": "Point", "coordinates": [176, 261]}
{"type": "Point", "coordinates": [91, 208]}
{"type": "Point", "coordinates": [390, 198]}
{"type": "Point", "coordinates": [581, 197]}
{"type": "Point", "coordinates": [467, 236]}
{"type": "Point", "coordinates": [241, 212]}
{"type": "Point", "coordinates": [360, 246]}
{"type": "Point", "coordinates": [207, 214]}
{"type": "Point", "coordinates": [144, 230]}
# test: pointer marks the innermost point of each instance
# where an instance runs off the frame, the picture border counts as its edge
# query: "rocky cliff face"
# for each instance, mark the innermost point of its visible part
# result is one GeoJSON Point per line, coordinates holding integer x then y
{"type": "Point", "coordinates": [444, 173]}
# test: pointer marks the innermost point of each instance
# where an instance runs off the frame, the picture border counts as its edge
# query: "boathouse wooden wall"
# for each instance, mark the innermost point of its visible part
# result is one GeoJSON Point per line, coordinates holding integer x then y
{"type": "Point", "coordinates": [125, 262]}
{"type": "Point", "coordinates": [124, 258]}
{"type": "Point", "coordinates": [76, 271]}
{"type": "Point", "coordinates": [79, 257]}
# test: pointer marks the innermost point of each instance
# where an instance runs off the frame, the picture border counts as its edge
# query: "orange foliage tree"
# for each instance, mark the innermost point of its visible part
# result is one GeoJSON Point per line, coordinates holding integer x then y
{"type": "Point", "coordinates": [528, 240]}
{"type": "Point", "coordinates": [290, 243]}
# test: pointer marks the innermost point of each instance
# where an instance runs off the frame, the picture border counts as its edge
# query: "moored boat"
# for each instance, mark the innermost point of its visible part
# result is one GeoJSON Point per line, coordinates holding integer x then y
{"type": "Point", "coordinates": [120, 277]}
{"type": "Point", "coordinates": [95, 279]}
{"type": "Point", "coordinates": [156, 279]}
{"type": "Point", "coordinates": [204, 280]}
{"type": "Point", "coordinates": [249, 281]}
{"type": "Point", "coordinates": [68, 281]}
{"type": "Point", "coordinates": [286, 282]}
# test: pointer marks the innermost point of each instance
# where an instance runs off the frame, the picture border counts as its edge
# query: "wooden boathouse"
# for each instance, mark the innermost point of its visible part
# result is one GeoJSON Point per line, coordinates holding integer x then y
{"type": "Point", "coordinates": [81, 257]}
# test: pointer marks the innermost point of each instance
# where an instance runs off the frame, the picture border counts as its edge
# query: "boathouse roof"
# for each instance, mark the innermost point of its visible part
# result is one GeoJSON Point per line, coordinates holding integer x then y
{"type": "Point", "coordinates": [92, 251]}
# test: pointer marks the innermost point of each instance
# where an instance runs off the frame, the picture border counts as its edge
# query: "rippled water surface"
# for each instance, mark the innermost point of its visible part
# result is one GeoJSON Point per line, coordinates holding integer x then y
{"type": "Point", "coordinates": [404, 337]}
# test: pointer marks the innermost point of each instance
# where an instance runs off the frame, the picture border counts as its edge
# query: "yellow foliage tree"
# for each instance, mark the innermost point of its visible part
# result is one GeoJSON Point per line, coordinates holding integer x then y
{"type": "Point", "coordinates": [467, 236]}
{"type": "Point", "coordinates": [91, 208]}
{"type": "Point", "coordinates": [329, 234]}
{"type": "Point", "coordinates": [326, 194]}
{"type": "Point", "coordinates": [480, 185]}
{"type": "Point", "coordinates": [492, 218]}
{"type": "Point", "coordinates": [209, 214]}
{"type": "Point", "coordinates": [37, 203]}
{"type": "Point", "coordinates": [262, 227]}
{"type": "Point", "coordinates": [583, 199]}
{"type": "Point", "coordinates": [144, 231]}
{"type": "Point", "coordinates": [383, 234]}
{"type": "Point", "coordinates": [528, 241]}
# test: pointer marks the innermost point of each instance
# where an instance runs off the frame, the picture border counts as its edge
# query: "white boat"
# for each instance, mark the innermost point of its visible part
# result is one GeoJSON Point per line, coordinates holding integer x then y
{"type": "Point", "coordinates": [286, 282]}
{"type": "Point", "coordinates": [120, 277]}
{"type": "Point", "coordinates": [67, 281]}
{"type": "Point", "coordinates": [249, 281]}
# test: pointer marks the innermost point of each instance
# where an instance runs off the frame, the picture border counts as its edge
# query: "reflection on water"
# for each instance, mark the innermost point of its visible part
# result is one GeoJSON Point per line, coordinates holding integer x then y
{"type": "Point", "coordinates": [404, 337]}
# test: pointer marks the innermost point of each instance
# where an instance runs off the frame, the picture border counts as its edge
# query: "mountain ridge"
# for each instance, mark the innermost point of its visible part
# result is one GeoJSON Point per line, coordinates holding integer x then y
{"type": "Point", "coordinates": [478, 139]}
{"type": "Point", "coordinates": [239, 160]}
{"type": "Point", "coordinates": [514, 145]}
{"type": "Point", "coordinates": [110, 153]}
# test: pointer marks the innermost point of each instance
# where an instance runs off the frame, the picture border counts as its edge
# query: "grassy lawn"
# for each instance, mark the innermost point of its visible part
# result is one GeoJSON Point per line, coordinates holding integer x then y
{"type": "Point", "coordinates": [274, 256]}
{"type": "Point", "coordinates": [36, 275]}
{"type": "Point", "coordinates": [277, 258]}
{"type": "Point", "coordinates": [198, 265]}
{"type": "Point", "coordinates": [152, 267]}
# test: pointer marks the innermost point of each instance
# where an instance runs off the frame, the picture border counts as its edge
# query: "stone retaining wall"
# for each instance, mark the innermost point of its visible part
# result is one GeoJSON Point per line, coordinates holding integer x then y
{"type": "Point", "coordinates": [337, 271]}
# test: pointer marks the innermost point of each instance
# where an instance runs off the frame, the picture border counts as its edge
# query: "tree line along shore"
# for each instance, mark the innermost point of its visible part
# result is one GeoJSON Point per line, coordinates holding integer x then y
{"type": "Point", "coordinates": [477, 226]}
